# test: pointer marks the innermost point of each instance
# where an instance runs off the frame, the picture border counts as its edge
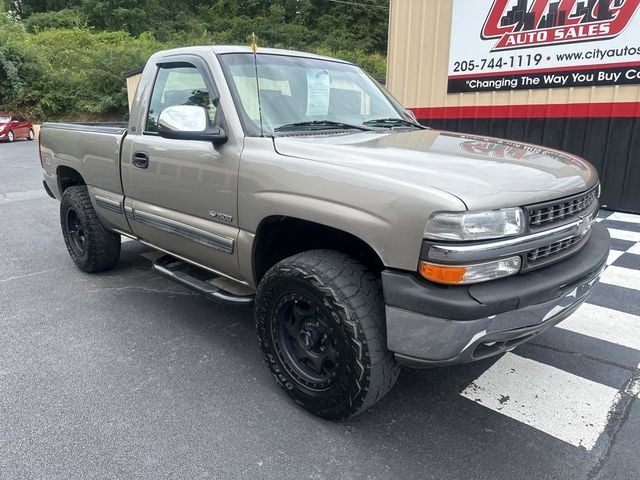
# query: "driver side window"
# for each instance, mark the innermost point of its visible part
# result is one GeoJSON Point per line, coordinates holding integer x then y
{"type": "Point", "coordinates": [183, 85]}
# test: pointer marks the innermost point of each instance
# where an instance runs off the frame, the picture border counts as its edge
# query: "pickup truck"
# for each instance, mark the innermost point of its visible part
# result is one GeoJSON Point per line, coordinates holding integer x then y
{"type": "Point", "coordinates": [364, 240]}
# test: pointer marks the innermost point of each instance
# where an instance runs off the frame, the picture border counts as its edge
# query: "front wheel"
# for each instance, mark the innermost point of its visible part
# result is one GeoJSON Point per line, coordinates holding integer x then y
{"type": "Point", "coordinates": [92, 247]}
{"type": "Point", "coordinates": [11, 137]}
{"type": "Point", "coordinates": [321, 326]}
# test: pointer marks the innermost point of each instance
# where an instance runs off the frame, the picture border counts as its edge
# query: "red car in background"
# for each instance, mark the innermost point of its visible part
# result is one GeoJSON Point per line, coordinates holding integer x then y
{"type": "Point", "coordinates": [13, 127]}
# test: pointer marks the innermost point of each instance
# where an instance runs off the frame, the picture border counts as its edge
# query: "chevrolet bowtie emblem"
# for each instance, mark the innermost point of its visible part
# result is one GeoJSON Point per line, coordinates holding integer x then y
{"type": "Point", "coordinates": [583, 226]}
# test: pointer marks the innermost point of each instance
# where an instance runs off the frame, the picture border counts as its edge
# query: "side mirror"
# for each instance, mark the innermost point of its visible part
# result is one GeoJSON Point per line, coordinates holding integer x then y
{"type": "Point", "coordinates": [189, 122]}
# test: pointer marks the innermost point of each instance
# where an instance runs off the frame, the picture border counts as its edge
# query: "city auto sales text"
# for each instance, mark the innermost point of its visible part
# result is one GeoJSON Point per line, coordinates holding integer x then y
{"type": "Point", "coordinates": [559, 34]}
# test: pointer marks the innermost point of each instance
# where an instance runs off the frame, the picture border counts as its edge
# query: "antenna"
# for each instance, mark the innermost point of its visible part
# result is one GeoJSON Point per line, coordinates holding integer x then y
{"type": "Point", "coordinates": [254, 48]}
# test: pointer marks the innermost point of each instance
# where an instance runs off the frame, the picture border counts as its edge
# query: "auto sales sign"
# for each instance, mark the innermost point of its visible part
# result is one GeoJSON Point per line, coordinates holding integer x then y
{"type": "Point", "coordinates": [522, 44]}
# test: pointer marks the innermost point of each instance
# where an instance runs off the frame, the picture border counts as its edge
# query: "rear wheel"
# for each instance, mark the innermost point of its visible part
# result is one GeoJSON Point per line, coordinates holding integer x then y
{"type": "Point", "coordinates": [10, 136]}
{"type": "Point", "coordinates": [92, 247]}
{"type": "Point", "coordinates": [321, 326]}
{"type": "Point", "coordinates": [31, 135]}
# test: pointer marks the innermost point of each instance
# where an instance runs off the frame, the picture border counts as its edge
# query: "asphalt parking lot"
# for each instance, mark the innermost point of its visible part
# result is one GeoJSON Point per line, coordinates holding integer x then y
{"type": "Point", "coordinates": [126, 375]}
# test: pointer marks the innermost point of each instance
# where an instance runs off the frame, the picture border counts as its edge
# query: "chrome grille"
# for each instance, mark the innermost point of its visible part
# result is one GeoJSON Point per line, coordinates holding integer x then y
{"type": "Point", "coordinates": [552, 249]}
{"type": "Point", "coordinates": [554, 212]}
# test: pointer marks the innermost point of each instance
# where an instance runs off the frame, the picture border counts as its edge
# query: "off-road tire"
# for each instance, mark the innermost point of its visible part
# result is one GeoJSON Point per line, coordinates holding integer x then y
{"type": "Point", "coordinates": [101, 247]}
{"type": "Point", "coordinates": [352, 296]}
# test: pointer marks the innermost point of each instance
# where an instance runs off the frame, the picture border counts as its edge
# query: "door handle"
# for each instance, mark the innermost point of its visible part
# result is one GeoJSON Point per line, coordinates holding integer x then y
{"type": "Point", "coordinates": [140, 160]}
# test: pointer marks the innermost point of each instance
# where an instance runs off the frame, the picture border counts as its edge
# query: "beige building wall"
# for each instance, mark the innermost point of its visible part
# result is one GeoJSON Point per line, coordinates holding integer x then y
{"type": "Point", "coordinates": [132, 84]}
{"type": "Point", "coordinates": [418, 62]}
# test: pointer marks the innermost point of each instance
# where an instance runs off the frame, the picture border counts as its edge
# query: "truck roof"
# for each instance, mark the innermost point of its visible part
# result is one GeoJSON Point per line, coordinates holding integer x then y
{"type": "Point", "coordinates": [223, 49]}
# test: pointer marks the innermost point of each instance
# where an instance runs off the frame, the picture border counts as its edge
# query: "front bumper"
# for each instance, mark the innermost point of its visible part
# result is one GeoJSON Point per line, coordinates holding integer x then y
{"type": "Point", "coordinates": [430, 325]}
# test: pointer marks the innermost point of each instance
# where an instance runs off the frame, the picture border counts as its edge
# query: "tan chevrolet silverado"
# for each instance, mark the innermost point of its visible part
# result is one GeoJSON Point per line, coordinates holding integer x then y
{"type": "Point", "coordinates": [364, 240]}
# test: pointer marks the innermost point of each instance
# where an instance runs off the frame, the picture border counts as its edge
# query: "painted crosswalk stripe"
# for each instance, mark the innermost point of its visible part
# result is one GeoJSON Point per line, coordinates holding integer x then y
{"type": "Point", "coordinates": [605, 324]}
{"type": "Point", "coordinates": [624, 217]}
{"type": "Point", "coordinates": [634, 385]}
{"type": "Point", "coordinates": [624, 235]}
{"type": "Point", "coordinates": [621, 277]}
{"type": "Point", "coordinates": [561, 404]}
{"type": "Point", "coordinates": [621, 245]}
{"type": "Point", "coordinates": [618, 225]}
{"type": "Point", "coordinates": [635, 249]}
{"type": "Point", "coordinates": [613, 256]}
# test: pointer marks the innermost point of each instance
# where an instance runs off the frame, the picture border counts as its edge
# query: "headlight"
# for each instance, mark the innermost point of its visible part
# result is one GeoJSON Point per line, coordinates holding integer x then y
{"type": "Point", "coordinates": [475, 225]}
{"type": "Point", "coordinates": [476, 273]}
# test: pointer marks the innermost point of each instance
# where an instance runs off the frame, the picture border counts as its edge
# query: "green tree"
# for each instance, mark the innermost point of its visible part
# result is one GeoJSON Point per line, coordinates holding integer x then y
{"type": "Point", "coordinates": [59, 19]}
{"type": "Point", "coordinates": [65, 59]}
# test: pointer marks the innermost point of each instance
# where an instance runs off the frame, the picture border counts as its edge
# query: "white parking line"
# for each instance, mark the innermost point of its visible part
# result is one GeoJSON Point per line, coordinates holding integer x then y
{"type": "Point", "coordinates": [605, 324]}
{"type": "Point", "coordinates": [635, 249]}
{"type": "Point", "coordinates": [565, 406]}
{"type": "Point", "coordinates": [613, 256]}
{"type": "Point", "coordinates": [621, 277]}
{"type": "Point", "coordinates": [624, 217]}
{"type": "Point", "coordinates": [624, 235]}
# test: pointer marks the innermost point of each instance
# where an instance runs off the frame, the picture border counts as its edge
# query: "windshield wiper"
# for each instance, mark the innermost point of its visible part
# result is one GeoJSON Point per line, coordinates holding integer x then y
{"type": "Point", "coordinates": [392, 122]}
{"type": "Point", "coordinates": [320, 125]}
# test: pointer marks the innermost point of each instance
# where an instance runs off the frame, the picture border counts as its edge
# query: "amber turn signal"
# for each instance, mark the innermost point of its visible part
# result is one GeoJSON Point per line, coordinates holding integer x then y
{"type": "Point", "coordinates": [471, 273]}
{"type": "Point", "coordinates": [442, 274]}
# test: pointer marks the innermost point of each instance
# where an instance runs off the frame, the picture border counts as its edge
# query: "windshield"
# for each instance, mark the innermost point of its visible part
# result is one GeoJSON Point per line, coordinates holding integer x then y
{"type": "Point", "coordinates": [4, 119]}
{"type": "Point", "coordinates": [296, 90]}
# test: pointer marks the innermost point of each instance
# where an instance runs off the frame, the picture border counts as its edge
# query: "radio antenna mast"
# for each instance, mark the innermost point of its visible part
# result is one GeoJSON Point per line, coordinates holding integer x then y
{"type": "Point", "coordinates": [254, 48]}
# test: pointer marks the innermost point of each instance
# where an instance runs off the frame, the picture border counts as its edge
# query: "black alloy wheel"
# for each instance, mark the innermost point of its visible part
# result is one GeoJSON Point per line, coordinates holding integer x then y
{"type": "Point", "coordinates": [321, 326]}
{"type": "Point", "coordinates": [91, 246]}
{"type": "Point", "coordinates": [305, 340]}
{"type": "Point", "coordinates": [77, 235]}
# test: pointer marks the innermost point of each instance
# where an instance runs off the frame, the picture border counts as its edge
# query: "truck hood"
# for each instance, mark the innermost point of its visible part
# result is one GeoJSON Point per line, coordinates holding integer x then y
{"type": "Point", "coordinates": [483, 172]}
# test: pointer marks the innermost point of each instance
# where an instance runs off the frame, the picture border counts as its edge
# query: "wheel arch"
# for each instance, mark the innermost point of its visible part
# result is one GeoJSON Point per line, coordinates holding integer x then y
{"type": "Point", "coordinates": [278, 237]}
{"type": "Point", "coordinates": [68, 177]}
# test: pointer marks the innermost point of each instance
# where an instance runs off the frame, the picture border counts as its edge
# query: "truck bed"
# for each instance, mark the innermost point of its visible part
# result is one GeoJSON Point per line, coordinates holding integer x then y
{"type": "Point", "coordinates": [93, 149]}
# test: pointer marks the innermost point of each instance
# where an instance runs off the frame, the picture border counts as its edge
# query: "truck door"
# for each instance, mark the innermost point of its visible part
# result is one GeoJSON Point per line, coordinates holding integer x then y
{"type": "Point", "coordinates": [181, 195]}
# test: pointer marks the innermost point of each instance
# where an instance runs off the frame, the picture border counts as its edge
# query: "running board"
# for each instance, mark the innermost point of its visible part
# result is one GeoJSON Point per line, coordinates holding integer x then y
{"type": "Point", "coordinates": [207, 283]}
